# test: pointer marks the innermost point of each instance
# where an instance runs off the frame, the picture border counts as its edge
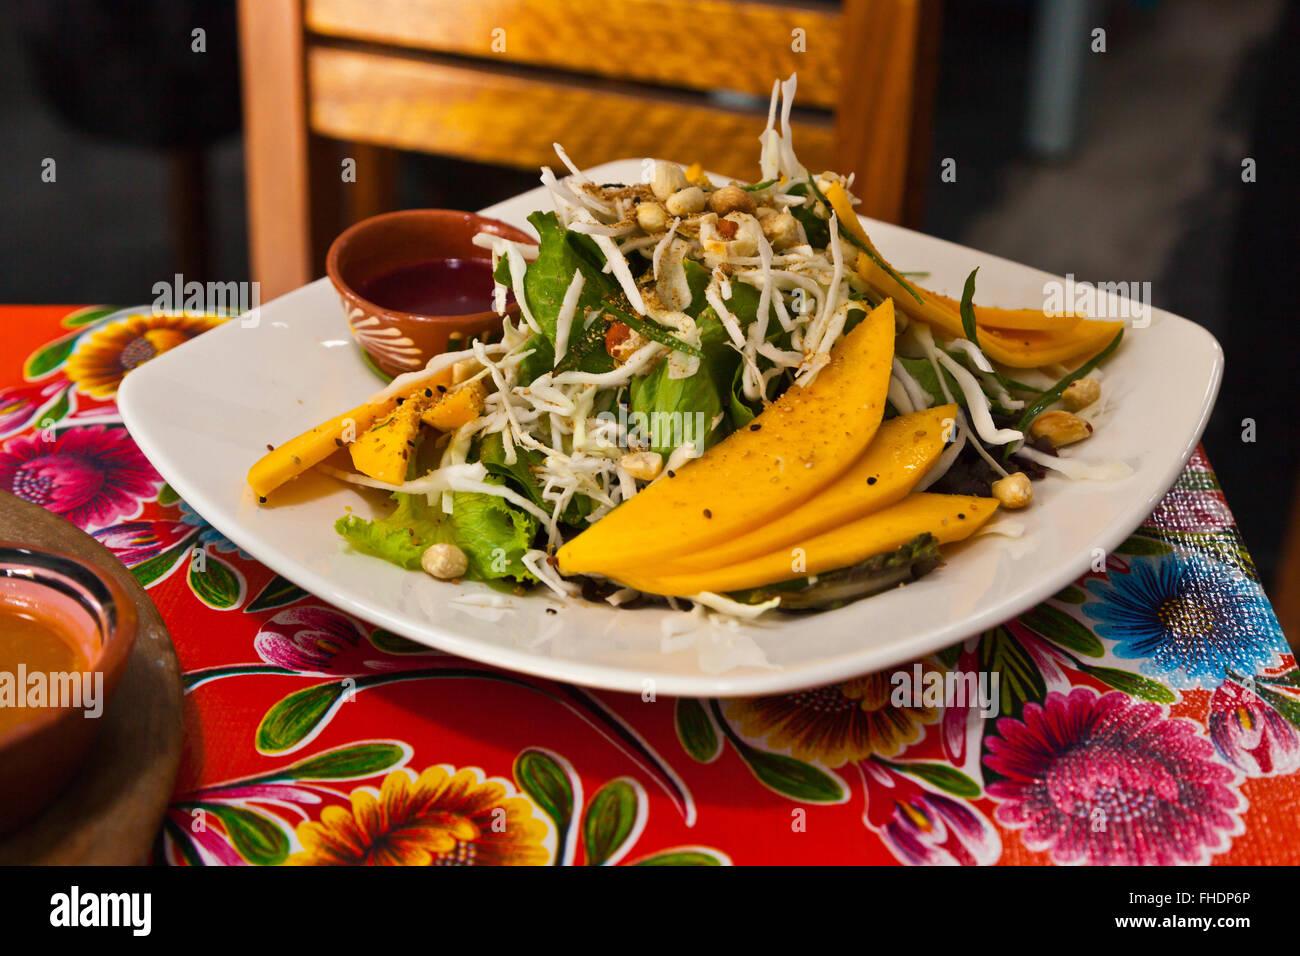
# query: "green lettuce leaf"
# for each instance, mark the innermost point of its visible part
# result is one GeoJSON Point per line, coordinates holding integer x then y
{"type": "Point", "coordinates": [493, 534]}
{"type": "Point", "coordinates": [559, 254]}
{"type": "Point", "coordinates": [403, 536]}
{"type": "Point", "coordinates": [922, 369]}
{"type": "Point", "coordinates": [682, 409]}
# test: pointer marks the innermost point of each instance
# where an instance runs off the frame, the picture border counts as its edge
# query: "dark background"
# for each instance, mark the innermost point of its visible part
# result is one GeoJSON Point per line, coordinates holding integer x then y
{"type": "Point", "coordinates": [150, 176]}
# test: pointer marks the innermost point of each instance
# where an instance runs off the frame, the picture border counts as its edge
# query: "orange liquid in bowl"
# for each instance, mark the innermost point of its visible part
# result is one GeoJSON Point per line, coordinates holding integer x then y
{"type": "Point", "coordinates": [37, 645]}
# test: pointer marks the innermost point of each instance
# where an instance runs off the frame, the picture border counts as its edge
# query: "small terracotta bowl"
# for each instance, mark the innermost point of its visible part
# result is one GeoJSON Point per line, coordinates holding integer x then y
{"type": "Point", "coordinates": [397, 341]}
{"type": "Point", "coordinates": [39, 754]}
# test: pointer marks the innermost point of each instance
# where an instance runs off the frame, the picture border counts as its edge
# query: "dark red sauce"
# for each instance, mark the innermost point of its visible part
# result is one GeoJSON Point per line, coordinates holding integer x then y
{"type": "Point", "coordinates": [436, 287]}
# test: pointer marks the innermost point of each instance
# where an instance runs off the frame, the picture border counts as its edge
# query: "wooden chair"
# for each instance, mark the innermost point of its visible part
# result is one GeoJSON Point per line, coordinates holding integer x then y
{"type": "Point", "coordinates": [499, 81]}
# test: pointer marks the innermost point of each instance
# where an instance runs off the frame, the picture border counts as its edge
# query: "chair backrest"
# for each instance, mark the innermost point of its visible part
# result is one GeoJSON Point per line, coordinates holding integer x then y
{"type": "Point", "coordinates": [500, 81]}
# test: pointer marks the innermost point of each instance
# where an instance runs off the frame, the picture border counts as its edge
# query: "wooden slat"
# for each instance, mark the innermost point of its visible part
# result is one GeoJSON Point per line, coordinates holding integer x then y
{"type": "Point", "coordinates": [508, 119]}
{"type": "Point", "coordinates": [884, 115]}
{"type": "Point", "coordinates": [695, 44]}
{"type": "Point", "coordinates": [275, 144]}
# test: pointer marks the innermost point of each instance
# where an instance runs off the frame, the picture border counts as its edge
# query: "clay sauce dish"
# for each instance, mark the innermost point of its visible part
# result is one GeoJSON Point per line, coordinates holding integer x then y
{"type": "Point", "coordinates": [39, 755]}
{"type": "Point", "coordinates": [398, 341]}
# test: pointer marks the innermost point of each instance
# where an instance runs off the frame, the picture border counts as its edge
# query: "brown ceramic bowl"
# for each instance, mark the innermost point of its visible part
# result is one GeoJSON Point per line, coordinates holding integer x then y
{"type": "Point", "coordinates": [398, 341]}
{"type": "Point", "coordinates": [39, 754]}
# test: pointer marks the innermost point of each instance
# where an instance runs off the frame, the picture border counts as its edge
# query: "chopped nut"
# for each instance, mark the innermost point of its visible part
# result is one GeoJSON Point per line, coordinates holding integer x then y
{"type": "Point", "coordinates": [780, 228]}
{"type": "Point", "coordinates": [444, 561]}
{"type": "Point", "coordinates": [1013, 491]}
{"type": "Point", "coordinates": [693, 225]}
{"type": "Point", "coordinates": [686, 202]}
{"type": "Point", "coordinates": [1081, 394]}
{"type": "Point", "coordinates": [651, 217]}
{"type": "Point", "coordinates": [744, 241]}
{"type": "Point", "coordinates": [731, 199]}
{"type": "Point", "coordinates": [642, 465]}
{"type": "Point", "coordinates": [667, 179]}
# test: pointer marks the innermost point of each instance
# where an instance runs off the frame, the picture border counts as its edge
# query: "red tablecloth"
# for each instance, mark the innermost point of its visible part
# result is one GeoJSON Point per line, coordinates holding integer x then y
{"type": "Point", "coordinates": [1150, 713]}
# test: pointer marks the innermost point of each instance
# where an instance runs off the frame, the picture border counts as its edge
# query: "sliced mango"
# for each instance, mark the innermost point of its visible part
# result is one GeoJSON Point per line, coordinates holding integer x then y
{"type": "Point", "coordinates": [1026, 348]}
{"type": "Point", "coordinates": [311, 448]}
{"type": "Point", "coordinates": [450, 410]}
{"type": "Point", "coordinates": [316, 444]}
{"type": "Point", "coordinates": [385, 449]}
{"type": "Point", "coordinates": [948, 517]}
{"type": "Point", "coordinates": [897, 458]}
{"type": "Point", "coordinates": [1069, 337]}
{"type": "Point", "coordinates": [798, 445]}
{"type": "Point", "coordinates": [1035, 319]}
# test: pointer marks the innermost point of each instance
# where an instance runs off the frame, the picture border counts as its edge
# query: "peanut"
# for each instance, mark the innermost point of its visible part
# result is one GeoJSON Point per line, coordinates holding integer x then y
{"type": "Point", "coordinates": [1060, 428]}
{"type": "Point", "coordinates": [686, 202]}
{"type": "Point", "coordinates": [444, 561]}
{"type": "Point", "coordinates": [642, 465]}
{"type": "Point", "coordinates": [1081, 394]}
{"type": "Point", "coordinates": [1013, 491]}
{"type": "Point", "coordinates": [651, 217]}
{"type": "Point", "coordinates": [731, 199]}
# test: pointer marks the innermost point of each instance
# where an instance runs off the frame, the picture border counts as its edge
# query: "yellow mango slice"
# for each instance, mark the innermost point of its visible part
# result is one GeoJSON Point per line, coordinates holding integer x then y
{"type": "Point", "coordinates": [311, 448]}
{"type": "Point", "coordinates": [1070, 337]}
{"type": "Point", "coordinates": [1009, 346]}
{"type": "Point", "coordinates": [316, 444]}
{"type": "Point", "coordinates": [798, 445]}
{"type": "Point", "coordinates": [948, 517]}
{"type": "Point", "coordinates": [898, 457]}
{"type": "Point", "coordinates": [1035, 319]}
{"type": "Point", "coordinates": [1026, 348]}
{"type": "Point", "coordinates": [452, 409]}
{"type": "Point", "coordinates": [384, 450]}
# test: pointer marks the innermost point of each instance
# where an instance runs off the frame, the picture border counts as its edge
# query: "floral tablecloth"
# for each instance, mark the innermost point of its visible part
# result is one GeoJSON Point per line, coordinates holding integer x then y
{"type": "Point", "coordinates": [1149, 713]}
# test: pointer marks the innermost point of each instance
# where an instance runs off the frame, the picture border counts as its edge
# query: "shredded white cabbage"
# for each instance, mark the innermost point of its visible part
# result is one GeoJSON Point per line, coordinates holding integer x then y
{"type": "Point", "coordinates": [1078, 469]}
{"type": "Point", "coordinates": [564, 321]}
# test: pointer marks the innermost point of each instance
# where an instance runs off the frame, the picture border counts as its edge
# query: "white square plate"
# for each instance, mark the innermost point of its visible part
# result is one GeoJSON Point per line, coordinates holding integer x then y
{"type": "Point", "coordinates": [204, 412]}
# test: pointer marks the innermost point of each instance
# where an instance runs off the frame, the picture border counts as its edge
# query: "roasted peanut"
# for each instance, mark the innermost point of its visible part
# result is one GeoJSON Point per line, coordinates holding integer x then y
{"type": "Point", "coordinates": [444, 561]}
{"type": "Point", "coordinates": [1013, 491]}
{"type": "Point", "coordinates": [1081, 394]}
{"type": "Point", "coordinates": [1060, 428]}
{"type": "Point", "coordinates": [651, 217]}
{"type": "Point", "coordinates": [686, 202]}
{"type": "Point", "coordinates": [642, 465]}
{"type": "Point", "coordinates": [667, 179]}
{"type": "Point", "coordinates": [780, 228]}
{"type": "Point", "coordinates": [731, 199]}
